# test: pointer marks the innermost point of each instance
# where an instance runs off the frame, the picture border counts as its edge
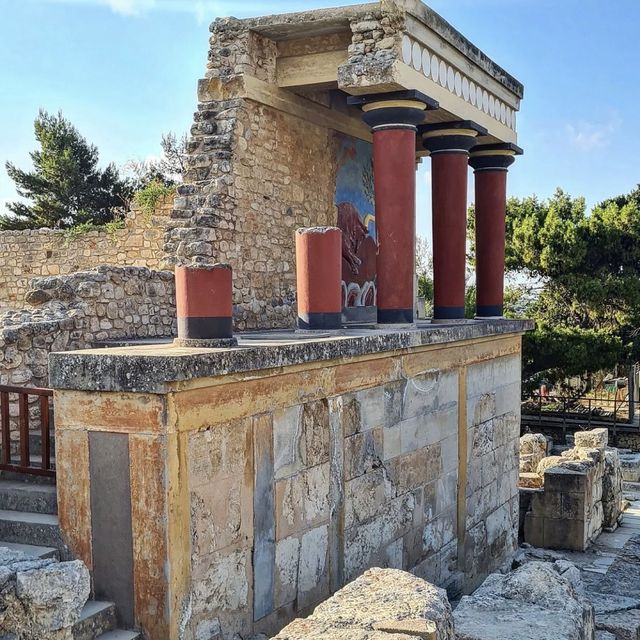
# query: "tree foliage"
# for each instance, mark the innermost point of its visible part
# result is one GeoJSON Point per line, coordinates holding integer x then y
{"type": "Point", "coordinates": [166, 170]}
{"type": "Point", "coordinates": [586, 267]}
{"type": "Point", "coordinates": [65, 188]}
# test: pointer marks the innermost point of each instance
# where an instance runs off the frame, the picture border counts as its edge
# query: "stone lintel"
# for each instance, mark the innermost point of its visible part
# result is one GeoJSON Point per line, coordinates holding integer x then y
{"type": "Point", "coordinates": [308, 24]}
{"type": "Point", "coordinates": [152, 369]}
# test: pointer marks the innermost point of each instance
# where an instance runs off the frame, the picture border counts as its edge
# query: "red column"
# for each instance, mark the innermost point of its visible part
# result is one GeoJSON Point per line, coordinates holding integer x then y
{"type": "Point", "coordinates": [394, 163]}
{"type": "Point", "coordinates": [491, 163]}
{"type": "Point", "coordinates": [393, 119]}
{"type": "Point", "coordinates": [204, 302]}
{"type": "Point", "coordinates": [319, 278]}
{"type": "Point", "coordinates": [449, 145]}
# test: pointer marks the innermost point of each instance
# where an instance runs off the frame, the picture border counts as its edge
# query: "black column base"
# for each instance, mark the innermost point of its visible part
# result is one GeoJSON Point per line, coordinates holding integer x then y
{"type": "Point", "coordinates": [489, 311]}
{"type": "Point", "coordinates": [448, 313]}
{"type": "Point", "coordinates": [205, 328]}
{"type": "Point", "coordinates": [320, 321]}
{"type": "Point", "coordinates": [396, 316]}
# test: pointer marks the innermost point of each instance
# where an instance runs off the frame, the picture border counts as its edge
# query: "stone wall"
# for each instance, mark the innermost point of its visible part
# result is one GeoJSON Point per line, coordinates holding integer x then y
{"type": "Point", "coordinates": [77, 311]}
{"type": "Point", "coordinates": [270, 485]}
{"type": "Point", "coordinates": [283, 178]}
{"type": "Point", "coordinates": [255, 175]}
{"type": "Point", "coordinates": [569, 499]}
{"type": "Point", "coordinates": [48, 252]}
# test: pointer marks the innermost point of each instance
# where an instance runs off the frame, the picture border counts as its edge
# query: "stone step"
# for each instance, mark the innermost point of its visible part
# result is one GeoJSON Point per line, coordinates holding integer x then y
{"type": "Point", "coordinates": [26, 478]}
{"type": "Point", "coordinates": [96, 619]}
{"type": "Point", "coordinates": [119, 634]}
{"type": "Point", "coordinates": [32, 550]}
{"type": "Point", "coordinates": [39, 529]}
{"type": "Point", "coordinates": [24, 496]}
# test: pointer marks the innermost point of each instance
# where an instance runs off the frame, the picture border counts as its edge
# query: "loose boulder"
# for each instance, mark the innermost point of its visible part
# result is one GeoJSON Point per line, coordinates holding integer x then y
{"type": "Point", "coordinates": [537, 601]}
{"type": "Point", "coordinates": [382, 604]}
{"type": "Point", "coordinates": [40, 598]}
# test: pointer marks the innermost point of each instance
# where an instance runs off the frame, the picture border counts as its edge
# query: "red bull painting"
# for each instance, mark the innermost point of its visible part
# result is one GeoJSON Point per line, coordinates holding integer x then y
{"type": "Point", "coordinates": [356, 218]}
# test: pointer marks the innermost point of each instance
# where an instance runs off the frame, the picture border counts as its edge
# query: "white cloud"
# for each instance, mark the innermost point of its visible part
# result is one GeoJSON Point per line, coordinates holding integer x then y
{"type": "Point", "coordinates": [130, 7]}
{"type": "Point", "coordinates": [587, 136]}
{"type": "Point", "coordinates": [202, 10]}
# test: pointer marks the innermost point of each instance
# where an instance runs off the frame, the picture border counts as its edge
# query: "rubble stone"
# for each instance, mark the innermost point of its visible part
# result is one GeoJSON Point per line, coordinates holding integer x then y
{"type": "Point", "coordinates": [534, 602]}
{"type": "Point", "coordinates": [593, 439]}
{"type": "Point", "coordinates": [380, 598]}
{"type": "Point", "coordinates": [533, 448]}
{"type": "Point", "coordinates": [40, 598]}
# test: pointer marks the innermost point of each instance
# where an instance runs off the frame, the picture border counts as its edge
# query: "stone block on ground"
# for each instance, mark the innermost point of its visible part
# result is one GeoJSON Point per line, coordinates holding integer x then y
{"type": "Point", "coordinates": [40, 598]}
{"type": "Point", "coordinates": [533, 448]}
{"type": "Point", "coordinates": [374, 607]}
{"type": "Point", "coordinates": [594, 439]}
{"type": "Point", "coordinates": [537, 601]}
{"type": "Point", "coordinates": [630, 464]}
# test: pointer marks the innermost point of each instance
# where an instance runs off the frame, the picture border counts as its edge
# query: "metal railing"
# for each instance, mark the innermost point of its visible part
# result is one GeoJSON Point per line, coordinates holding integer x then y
{"type": "Point", "coordinates": [33, 405]}
{"type": "Point", "coordinates": [585, 408]}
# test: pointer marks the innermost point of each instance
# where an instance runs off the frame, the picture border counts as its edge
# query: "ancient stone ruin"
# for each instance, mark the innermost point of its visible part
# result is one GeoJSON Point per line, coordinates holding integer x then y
{"type": "Point", "coordinates": [343, 468]}
{"type": "Point", "coordinates": [569, 498]}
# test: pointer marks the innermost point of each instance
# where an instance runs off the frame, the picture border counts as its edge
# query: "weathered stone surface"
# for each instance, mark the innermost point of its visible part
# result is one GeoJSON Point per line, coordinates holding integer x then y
{"type": "Point", "coordinates": [40, 598]}
{"type": "Point", "coordinates": [612, 494]}
{"type": "Point", "coordinates": [630, 464]}
{"type": "Point", "coordinates": [534, 602]}
{"type": "Point", "coordinates": [533, 448]}
{"type": "Point", "coordinates": [530, 480]}
{"type": "Point", "coordinates": [53, 252]}
{"type": "Point", "coordinates": [593, 439]}
{"type": "Point", "coordinates": [549, 463]}
{"type": "Point", "coordinates": [378, 597]}
{"type": "Point", "coordinates": [624, 625]}
{"type": "Point", "coordinates": [133, 370]}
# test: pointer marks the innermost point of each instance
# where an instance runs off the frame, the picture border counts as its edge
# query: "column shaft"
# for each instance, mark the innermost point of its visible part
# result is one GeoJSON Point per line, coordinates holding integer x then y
{"type": "Point", "coordinates": [318, 274]}
{"type": "Point", "coordinates": [394, 168]}
{"type": "Point", "coordinates": [394, 118]}
{"type": "Point", "coordinates": [491, 163]}
{"type": "Point", "coordinates": [491, 203]}
{"type": "Point", "coordinates": [449, 202]}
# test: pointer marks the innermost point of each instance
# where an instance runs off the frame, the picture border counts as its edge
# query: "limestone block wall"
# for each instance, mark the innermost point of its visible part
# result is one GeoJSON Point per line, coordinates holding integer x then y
{"type": "Point", "coordinates": [492, 445]}
{"type": "Point", "coordinates": [48, 252]}
{"type": "Point", "coordinates": [570, 498]}
{"type": "Point", "coordinates": [264, 492]}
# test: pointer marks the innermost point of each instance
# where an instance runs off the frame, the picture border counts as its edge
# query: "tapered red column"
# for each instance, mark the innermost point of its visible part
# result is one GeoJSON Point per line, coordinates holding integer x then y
{"type": "Point", "coordinates": [393, 119]}
{"type": "Point", "coordinates": [448, 145]}
{"type": "Point", "coordinates": [318, 274]}
{"type": "Point", "coordinates": [491, 164]}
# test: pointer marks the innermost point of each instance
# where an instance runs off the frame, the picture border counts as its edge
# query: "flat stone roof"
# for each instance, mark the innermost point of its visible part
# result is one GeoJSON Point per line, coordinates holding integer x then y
{"type": "Point", "coordinates": [152, 368]}
{"type": "Point", "coordinates": [289, 26]}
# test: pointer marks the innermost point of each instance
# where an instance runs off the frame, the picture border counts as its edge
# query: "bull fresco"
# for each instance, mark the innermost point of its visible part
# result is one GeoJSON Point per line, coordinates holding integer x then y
{"type": "Point", "coordinates": [356, 219]}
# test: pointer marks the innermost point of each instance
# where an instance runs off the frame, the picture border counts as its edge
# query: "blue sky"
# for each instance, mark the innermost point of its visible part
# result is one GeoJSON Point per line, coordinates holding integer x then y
{"type": "Point", "coordinates": [124, 71]}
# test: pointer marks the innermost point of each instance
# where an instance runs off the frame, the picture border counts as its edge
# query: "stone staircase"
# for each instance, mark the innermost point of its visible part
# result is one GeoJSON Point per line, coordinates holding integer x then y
{"type": "Point", "coordinates": [29, 523]}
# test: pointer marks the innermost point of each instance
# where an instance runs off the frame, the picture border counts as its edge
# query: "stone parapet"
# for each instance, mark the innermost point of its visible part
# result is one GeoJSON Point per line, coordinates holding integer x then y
{"type": "Point", "coordinates": [150, 369]}
{"type": "Point", "coordinates": [272, 475]}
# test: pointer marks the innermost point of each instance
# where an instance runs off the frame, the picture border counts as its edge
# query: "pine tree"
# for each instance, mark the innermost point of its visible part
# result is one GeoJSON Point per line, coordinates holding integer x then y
{"type": "Point", "coordinates": [66, 187]}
